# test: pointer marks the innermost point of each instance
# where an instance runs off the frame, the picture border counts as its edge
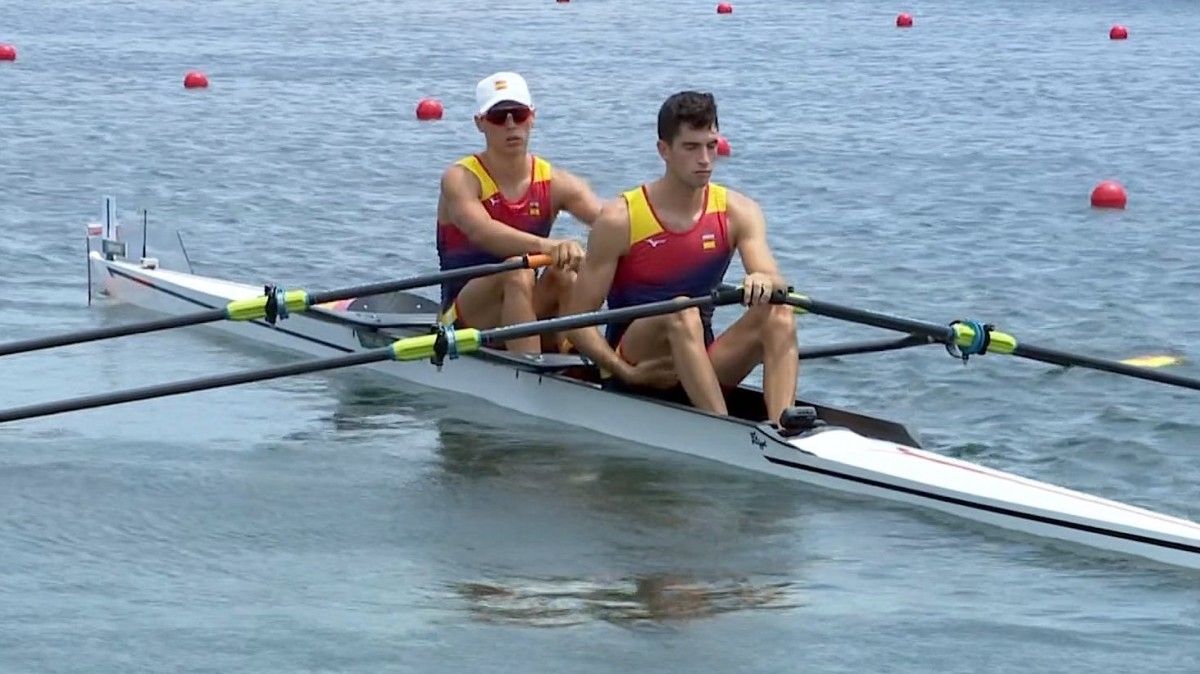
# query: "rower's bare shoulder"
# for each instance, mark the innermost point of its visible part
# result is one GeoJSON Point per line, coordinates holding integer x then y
{"type": "Point", "coordinates": [741, 207]}
{"type": "Point", "coordinates": [562, 176]}
{"type": "Point", "coordinates": [569, 185]}
{"type": "Point", "coordinates": [456, 179]}
{"type": "Point", "coordinates": [614, 215]}
{"type": "Point", "coordinates": [610, 231]}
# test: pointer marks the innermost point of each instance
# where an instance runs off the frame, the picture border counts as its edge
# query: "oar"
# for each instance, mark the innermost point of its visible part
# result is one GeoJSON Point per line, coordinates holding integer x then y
{"type": "Point", "coordinates": [1145, 361]}
{"type": "Point", "coordinates": [973, 338]}
{"type": "Point", "coordinates": [271, 305]}
{"type": "Point", "coordinates": [865, 346]}
{"type": "Point", "coordinates": [436, 346]}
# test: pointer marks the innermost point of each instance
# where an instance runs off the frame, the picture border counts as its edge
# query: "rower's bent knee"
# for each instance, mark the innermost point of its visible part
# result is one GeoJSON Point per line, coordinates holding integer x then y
{"type": "Point", "coordinates": [780, 317]}
{"type": "Point", "coordinates": [518, 280]}
{"type": "Point", "coordinates": [685, 323]}
{"type": "Point", "coordinates": [560, 279]}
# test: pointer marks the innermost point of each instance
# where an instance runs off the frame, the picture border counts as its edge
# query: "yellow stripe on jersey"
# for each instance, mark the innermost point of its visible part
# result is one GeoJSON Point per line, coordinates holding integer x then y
{"type": "Point", "coordinates": [488, 186]}
{"type": "Point", "coordinates": [643, 224]}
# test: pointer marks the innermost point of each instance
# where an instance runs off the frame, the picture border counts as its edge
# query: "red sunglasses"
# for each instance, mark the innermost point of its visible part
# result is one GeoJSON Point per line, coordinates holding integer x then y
{"type": "Point", "coordinates": [498, 116]}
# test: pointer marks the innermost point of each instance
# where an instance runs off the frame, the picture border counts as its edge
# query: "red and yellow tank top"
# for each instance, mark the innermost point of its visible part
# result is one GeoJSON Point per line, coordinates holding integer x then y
{"type": "Point", "coordinates": [662, 264]}
{"type": "Point", "coordinates": [532, 213]}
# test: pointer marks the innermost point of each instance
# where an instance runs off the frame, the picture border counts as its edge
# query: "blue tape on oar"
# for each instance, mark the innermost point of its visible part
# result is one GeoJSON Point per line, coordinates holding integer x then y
{"type": "Point", "coordinates": [281, 306]}
{"type": "Point", "coordinates": [980, 340]}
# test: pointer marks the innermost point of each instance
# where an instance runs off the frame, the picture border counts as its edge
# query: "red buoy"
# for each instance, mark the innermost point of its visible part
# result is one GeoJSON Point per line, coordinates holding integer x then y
{"type": "Point", "coordinates": [195, 79]}
{"type": "Point", "coordinates": [1118, 32]}
{"type": "Point", "coordinates": [429, 108]}
{"type": "Point", "coordinates": [8, 52]}
{"type": "Point", "coordinates": [904, 21]}
{"type": "Point", "coordinates": [1109, 194]}
{"type": "Point", "coordinates": [723, 149]}
{"type": "Point", "coordinates": [724, 8]}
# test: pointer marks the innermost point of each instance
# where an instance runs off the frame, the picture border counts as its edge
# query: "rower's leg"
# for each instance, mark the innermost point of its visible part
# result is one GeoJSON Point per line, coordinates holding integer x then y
{"type": "Point", "coordinates": [501, 299]}
{"type": "Point", "coordinates": [764, 334]}
{"type": "Point", "coordinates": [680, 335]}
{"type": "Point", "coordinates": [550, 294]}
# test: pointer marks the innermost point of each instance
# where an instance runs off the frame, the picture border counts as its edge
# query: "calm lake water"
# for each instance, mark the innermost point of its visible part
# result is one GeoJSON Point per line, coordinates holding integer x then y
{"type": "Point", "coordinates": [340, 523]}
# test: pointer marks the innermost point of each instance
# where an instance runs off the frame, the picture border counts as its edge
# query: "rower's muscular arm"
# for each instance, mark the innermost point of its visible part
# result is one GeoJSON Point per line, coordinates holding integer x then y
{"type": "Point", "coordinates": [578, 199]}
{"type": "Point", "coordinates": [607, 242]}
{"type": "Point", "coordinates": [750, 237]}
{"type": "Point", "coordinates": [460, 190]}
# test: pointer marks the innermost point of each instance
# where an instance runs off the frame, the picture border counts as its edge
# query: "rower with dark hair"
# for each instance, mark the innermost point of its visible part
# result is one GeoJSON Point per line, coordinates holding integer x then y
{"type": "Point", "coordinates": [676, 237]}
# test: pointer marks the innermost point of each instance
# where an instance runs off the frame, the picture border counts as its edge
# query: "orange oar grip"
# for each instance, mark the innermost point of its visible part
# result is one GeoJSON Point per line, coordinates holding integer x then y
{"type": "Point", "coordinates": [539, 260]}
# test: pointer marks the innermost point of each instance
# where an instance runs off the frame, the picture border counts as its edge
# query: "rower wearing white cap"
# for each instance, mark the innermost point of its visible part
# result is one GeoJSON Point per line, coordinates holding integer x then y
{"type": "Point", "coordinates": [501, 203]}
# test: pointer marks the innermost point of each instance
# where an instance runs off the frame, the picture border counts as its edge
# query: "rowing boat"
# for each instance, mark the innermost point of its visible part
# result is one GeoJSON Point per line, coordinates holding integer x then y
{"type": "Point", "coordinates": [850, 452]}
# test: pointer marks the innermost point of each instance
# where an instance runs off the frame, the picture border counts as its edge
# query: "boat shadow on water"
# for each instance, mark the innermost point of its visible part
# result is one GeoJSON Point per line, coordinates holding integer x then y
{"type": "Point", "coordinates": [568, 527]}
{"type": "Point", "coordinates": [692, 538]}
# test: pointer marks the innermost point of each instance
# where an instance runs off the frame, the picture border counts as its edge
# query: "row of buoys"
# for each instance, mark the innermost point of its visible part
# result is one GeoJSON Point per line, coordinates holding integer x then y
{"type": "Point", "coordinates": [1107, 194]}
{"type": "Point", "coordinates": [194, 79]}
{"type": "Point", "coordinates": [905, 20]}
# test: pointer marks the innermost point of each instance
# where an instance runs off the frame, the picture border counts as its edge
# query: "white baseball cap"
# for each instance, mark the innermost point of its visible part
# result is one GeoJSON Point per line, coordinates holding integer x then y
{"type": "Point", "coordinates": [503, 86]}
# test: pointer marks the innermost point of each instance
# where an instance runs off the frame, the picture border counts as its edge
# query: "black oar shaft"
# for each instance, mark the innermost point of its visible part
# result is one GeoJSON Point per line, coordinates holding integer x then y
{"type": "Point", "coordinates": [422, 281]}
{"type": "Point", "coordinates": [947, 335]}
{"type": "Point", "coordinates": [213, 315]}
{"type": "Point", "coordinates": [94, 334]}
{"type": "Point", "coordinates": [941, 333]}
{"type": "Point", "coordinates": [191, 385]}
{"type": "Point", "coordinates": [872, 346]}
{"type": "Point", "coordinates": [1056, 357]}
{"type": "Point", "coordinates": [719, 298]}
{"type": "Point", "coordinates": [359, 358]}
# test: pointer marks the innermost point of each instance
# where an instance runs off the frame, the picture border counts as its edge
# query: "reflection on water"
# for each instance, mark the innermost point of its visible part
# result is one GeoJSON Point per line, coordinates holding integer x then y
{"type": "Point", "coordinates": [480, 445]}
{"type": "Point", "coordinates": [366, 404]}
{"type": "Point", "coordinates": [542, 524]}
{"type": "Point", "coordinates": [638, 600]}
{"type": "Point", "coordinates": [646, 486]}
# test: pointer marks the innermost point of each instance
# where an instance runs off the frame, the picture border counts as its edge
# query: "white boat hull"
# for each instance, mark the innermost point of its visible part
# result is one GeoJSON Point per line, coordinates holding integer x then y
{"type": "Point", "coordinates": [835, 458]}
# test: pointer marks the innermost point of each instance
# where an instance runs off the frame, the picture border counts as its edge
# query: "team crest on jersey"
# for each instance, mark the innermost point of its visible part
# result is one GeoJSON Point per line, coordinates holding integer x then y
{"type": "Point", "coordinates": [708, 241]}
{"type": "Point", "coordinates": [535, 209]}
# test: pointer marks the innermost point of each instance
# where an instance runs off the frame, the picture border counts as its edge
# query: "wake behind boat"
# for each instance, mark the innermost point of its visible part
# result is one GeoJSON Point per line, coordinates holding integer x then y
{"type": "Point", "coordinates": [848, 452]}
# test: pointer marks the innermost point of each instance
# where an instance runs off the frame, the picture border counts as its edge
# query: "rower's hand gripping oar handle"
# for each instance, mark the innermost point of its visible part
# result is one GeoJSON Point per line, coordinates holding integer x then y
{"type": "Point", "coordinates": [727, 295]}
{"type": "Point", "coordinates": [446, 342]}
